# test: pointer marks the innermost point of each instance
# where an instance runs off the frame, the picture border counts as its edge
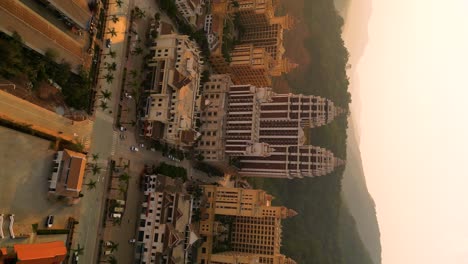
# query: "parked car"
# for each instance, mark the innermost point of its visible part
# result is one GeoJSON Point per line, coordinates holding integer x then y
{"type": "Point", "coordinates": [50, 221]}
{"type": "Point", "coordinates": [120, 202]}
{"type": "Point", "coordinates": [132, 241]}
{"type": "Point", "coordinates": [108, 243]}
{"type": "Point", "coordinates": [116, 215]}
{"type": "Point", "coordinates": [107, 252]}
{"type": "Point", "coordinates": [118, 209]}
{"type": "Point", "coordinates": [122, 128]}
{"type": "Point", "coordinates": [108, 43]}
{"type": "Point", "coordinates": [134, 149]}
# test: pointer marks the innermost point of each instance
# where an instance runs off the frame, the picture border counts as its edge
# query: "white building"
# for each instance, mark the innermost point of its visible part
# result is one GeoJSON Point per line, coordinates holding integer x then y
{"type": "Point", "coordinates": [190, 9]}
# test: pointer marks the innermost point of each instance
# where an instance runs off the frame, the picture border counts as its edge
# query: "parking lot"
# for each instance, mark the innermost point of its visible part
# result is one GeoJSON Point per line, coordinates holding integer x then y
{"type": "Point", "coordinates": [26, 162]}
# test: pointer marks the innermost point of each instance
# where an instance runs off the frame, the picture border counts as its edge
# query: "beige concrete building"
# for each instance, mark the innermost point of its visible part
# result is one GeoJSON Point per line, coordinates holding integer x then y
{"type": "Point", "coordinates": [251, 65]}
{"type": "Point", "coordinates": [190, 9]}
{"type": "Point", "coordinates": [241, 226]}
{"type": "Point", "coordinates": [165, 232]}
{"type": "Point", "coordinates": [267, 133]}
{"type": "Point", "coordinates": [68, 172]}
{"type": "Point", "coordinates": [174, 90]}
{"type": "Point", "coordinates": [211, 143]}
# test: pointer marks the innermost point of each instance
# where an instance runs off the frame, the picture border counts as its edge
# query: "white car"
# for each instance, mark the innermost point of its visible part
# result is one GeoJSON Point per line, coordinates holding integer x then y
{"type": "Point", "coordinates": [132, 241]}
{"type": "Point", "coordinates": [122, 128]}
{"type": "Point", "coordinates": [134, 149]}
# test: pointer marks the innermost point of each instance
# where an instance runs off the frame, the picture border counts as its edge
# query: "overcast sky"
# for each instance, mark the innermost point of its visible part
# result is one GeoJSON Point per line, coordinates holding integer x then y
{"type": "Point", "coordinates": [414, 127]}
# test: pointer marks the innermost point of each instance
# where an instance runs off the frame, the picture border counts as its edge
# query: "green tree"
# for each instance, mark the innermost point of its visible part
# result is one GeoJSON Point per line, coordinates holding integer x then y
{"type": "Point", "coordinates": [112, 260]}
{"type": "Point", "coordinates": [103, 105]}
{"type": "Point", "coordinates": [113, 246]}
{"type": "Point", "coordinates": [106, 94]}
{"type": "Point", "coordinates": [91, 184]}
{"type": "Point", "coordinates": [109, 78]}
{"type": "Point", "coordinates": [95, 156]}
{"type": "Point", "coordinates": [114, 18]}
{"type": "Point", "coordinates": [95, 168]}
{"type": "Point", "coordinates": [111, 66]}
{"type": "Point", "coordinates": [112, 32]}
{"type": "Point", "coordinates": [137, 51]}
{"type": "Point", "coordinates": [119, 3]}
{"type": "Point", "coordinates": [134, 73]}
{"type": "Point", "coordinates": [79, 250]}
{"type": "Point", "coordinates": [139, 13]}
{"type": "Point", "coordinates": [124, 177]}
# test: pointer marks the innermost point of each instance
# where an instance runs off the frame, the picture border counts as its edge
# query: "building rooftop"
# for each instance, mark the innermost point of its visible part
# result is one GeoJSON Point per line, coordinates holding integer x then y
{"type": "Point", "coordinates": [44, 253]}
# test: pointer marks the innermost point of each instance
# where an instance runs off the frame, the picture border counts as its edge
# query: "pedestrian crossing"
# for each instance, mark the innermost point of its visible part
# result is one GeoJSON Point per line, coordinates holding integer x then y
{"type": "Point", "coordinates": [115, 138]}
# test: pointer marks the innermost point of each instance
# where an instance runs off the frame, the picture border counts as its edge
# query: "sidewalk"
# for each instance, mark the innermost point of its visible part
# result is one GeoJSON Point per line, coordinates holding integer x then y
{"type": "Point", "coordinates": [21, 111]}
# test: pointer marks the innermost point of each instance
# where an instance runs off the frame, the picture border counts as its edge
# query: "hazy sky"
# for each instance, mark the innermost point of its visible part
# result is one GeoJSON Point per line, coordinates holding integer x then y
{"type": "Point", "coordinates": [414, 127]}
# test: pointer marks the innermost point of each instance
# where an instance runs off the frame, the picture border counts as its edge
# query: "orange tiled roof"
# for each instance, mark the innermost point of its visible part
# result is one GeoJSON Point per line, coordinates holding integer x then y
{"type": "Point", "coordinates": [77, 169]}
{"type": "Point", "coordinates": [43, 253]}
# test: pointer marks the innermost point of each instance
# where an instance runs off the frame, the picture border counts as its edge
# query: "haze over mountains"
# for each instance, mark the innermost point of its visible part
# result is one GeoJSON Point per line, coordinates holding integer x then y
{"type": "Point", "coordinates": [361, 205]}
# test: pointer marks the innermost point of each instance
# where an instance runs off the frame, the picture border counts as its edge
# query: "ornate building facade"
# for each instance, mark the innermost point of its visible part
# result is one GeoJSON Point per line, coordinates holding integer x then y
{"type": "Point", "coordinates": [253, 223]}
{"type": "Point", "coordinates": [267, 132]}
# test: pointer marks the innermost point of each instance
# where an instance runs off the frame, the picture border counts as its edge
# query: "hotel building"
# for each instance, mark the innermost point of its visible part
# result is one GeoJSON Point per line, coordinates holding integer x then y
{"type": "Point", "coordinates": [241, 226]}
{"type": "Point", "coordinates": [173, 91]}
{"type": "Point", "coordinates": [266, 132]}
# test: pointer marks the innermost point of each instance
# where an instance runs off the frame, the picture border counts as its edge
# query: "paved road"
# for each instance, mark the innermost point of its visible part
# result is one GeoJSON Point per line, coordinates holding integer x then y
{"type": "Point", "coordinates": [104, 138]}
{"type": "Point", "coordinates": [21, 111]}
{"type": "Point", "coordinates": [38, 34]}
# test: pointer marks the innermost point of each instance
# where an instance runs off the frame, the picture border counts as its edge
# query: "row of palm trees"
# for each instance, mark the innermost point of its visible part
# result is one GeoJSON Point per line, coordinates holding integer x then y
{"type": "Point", "coordinates": [79, 251]}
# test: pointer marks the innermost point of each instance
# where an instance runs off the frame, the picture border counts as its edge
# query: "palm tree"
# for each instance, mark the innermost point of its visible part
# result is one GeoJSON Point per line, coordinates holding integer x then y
{"type": "Point", "coordinates": [111, 66]}
{"type": "Point", "coordinates": [124, 177]}
{"type": "Point", "coordinates": [112, 32]}
{"type": "Point", "coordinates": [122, 190]}
{"type": "Point", "coordinates": [96, 169]}
{"type": "Point", "coordinates": [139, 13]}
{"type": "Point", "coordinates": [114, 19]}
{"type": "Point", "coordinates": [106, 94]}
{"type": "Point", "coordinates": [109, 78]}
{"type": "Point", "coordinates": [91, 184]}
{"type": "Point", "coordinates": [112, 260]}
{"type": "Point", "coordinates": [134, 73]}
{"type": "Point", "coordinates": [79, 250]}
{"type": "Point", "coordinates": [103, 106]}
{"type": "Point", "coordinates": [138, 50]}
{"type": "Point", "coordinates": [95, 156]}
{"type": "Point", "coordinates": [114, 246]}
{"type": "Point", "coordinates": [112, 53]}
{"type": "Point", "coordinates": [118, 3]}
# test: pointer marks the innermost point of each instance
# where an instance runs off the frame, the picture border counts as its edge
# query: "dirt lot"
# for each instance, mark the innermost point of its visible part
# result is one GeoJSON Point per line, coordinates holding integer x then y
{"type": "Point", "coordinates": [26, 164]}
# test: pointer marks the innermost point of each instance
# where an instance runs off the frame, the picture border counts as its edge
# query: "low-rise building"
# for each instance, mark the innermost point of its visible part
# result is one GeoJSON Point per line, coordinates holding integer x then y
{"type": "Point", "coordinates": [174, 98]}
{"type": "Point", "coordinates": [41, 253]}
{"type": "Point", "coordinates": [166, 233]}
{"type": "Point", "coordinates": [68, 172]}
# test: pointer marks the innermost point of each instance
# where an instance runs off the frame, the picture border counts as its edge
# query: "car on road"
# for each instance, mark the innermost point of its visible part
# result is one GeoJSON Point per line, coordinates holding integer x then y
{"type": "Point", "coordinates": [134, 149]}
{"type": "Point", "coordinates": [108, 43]}
{"type": "Point", "coordinates": [122, 128]}
{"type": "Point", "coordinates": [49, 221]}
{"type": "Point", "coordinates": [128, 95]}
{"type": "Point", "coordinates": [132, 240]}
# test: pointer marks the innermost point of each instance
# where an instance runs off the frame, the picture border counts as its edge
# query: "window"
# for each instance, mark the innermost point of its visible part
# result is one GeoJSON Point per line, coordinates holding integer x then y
{"type": "Point", "coordinates": [203, 250]}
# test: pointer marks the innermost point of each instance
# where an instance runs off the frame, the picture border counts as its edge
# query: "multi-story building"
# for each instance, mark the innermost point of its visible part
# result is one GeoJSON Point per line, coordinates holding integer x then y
{"type": "Point", "coordinates": [174, 90]}
{"type": "Point", "coordinates": [190, 9]}
{"type": "Point", "coordinates": [68, 172]}
{"type": "Point", "coordinates": [165, 232]}
{"type": "Point", "coordinates": [266, 132]}
{"type": "Point", "coordinates": [211, 143]}
{"type": "Point", "coordinates": [241, 226]}
{"type": "Point", "coordinates": [254, 12]}
{"type": "Point", "coordinates": [251, 65]}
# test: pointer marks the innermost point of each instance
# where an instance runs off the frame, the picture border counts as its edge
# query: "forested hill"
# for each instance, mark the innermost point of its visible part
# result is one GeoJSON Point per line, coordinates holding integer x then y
{"type": "Point", "coordinates": [324, 232]}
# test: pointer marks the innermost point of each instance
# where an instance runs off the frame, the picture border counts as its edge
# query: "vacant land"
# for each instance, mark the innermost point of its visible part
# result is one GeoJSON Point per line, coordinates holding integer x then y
{"type": "Point", "coordinates": [26, 163]}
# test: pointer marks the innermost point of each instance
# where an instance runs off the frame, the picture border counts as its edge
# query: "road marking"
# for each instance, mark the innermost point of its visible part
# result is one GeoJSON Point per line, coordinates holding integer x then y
{"type": "Point", "coordinates": [115, 137]}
